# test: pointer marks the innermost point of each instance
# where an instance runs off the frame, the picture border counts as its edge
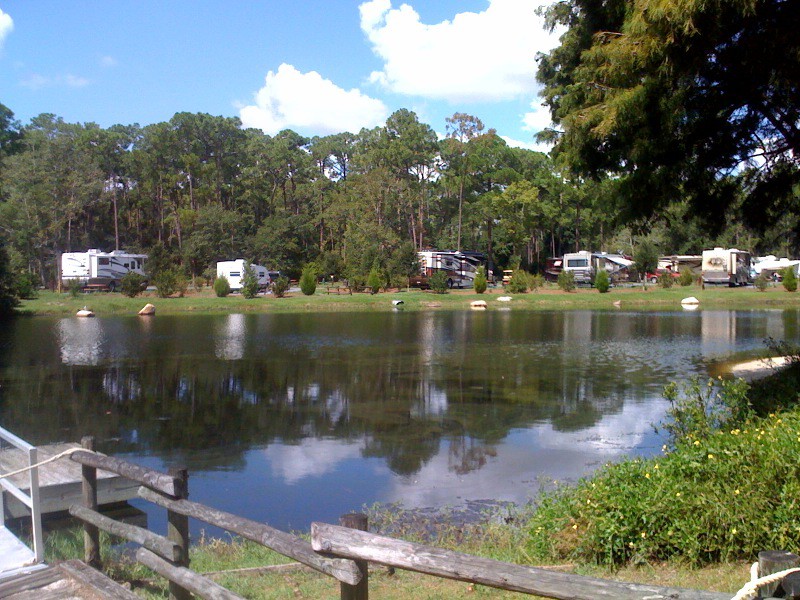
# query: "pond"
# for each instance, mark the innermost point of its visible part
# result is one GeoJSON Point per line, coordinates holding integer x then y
{"type": "Point", "coordinates": [291, 418]}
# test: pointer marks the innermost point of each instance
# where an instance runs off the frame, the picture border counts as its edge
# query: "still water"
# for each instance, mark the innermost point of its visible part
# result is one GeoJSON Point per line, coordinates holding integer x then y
{"type": "Point", "coordinates": [293, 418]}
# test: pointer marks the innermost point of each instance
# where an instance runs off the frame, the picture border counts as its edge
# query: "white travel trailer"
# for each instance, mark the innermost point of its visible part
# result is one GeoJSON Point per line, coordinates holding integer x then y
{"type": "Point", "coordinates": [460, 267]}
{"type": "Point", "coordinates": [97, 268]}
{"type": "Point", "coordinates": [726, 265]}
{"type": "Point", "coordinates": [233, 271]}
{"type": "Point", "coordinates": [580, 264]}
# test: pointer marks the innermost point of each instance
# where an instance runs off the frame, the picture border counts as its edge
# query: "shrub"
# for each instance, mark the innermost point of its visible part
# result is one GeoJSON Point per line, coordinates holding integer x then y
{"type": "Point", "coordinates": [602, 281]}
{"type": "Point", "coordinates": [761, 282]}
{"type": "Point", "coordinates": [566, 281]}
{"type": "Point", "coordinates": [222, 287]}
{"type": "Point", "coordinates": [480, 280]}
{"type": "Point", "coordinates": [789, 279]}
{"type": "Point", "coordinates": [26, 286]}
{"type": "Point", "coordinates": [686, 277]}
{"type": "Point", "coordinates": [280, 286]}
{"type": "Point", "coordinates": [8, 296]}
{"type": "Point", "coordinates": [519, 282]}
{"type": "Point", "coordinates": [308, 280]}
{"type": "Point", "coordinates": [536, 282]}
{"type": "Point", "coordinates": [249, 282]}
{"type": "Point", "coordinates": [374, 280]}
{"type": "Point", "coordinates": [438, 282]}
{"type": "Point", "coordinates": [170, 281]}
{"type": "Point", "coordinates": [665, 280]}
{"type": "Point", "coordinates": [132, 284]}
{"type": "Point", "coordinates": [74, 287]}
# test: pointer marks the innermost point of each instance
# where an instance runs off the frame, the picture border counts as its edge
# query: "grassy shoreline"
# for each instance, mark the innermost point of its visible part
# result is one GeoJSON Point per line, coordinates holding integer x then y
{"type": "Point", "coordinates": [549, 298]}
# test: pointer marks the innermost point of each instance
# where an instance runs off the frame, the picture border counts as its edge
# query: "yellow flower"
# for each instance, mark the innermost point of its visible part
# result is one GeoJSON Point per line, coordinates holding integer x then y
{"type": "Point", "coordinates": [655, 467]}
{"type": "Point", "coordinates": [644, 535]}
{"type": "Point", "coordinates": [736, 491]}
{"type": "Point", "coordinates": [631, 545]}
{"type": "Point", "coordinates": [710, 457]}
{"type": "Point", "coordinates": [733, 531]}
{"type": "Point", "coordinates": [697, 442]}
{"type": "Point", "coordinates": [647, 475]}
{"type": "Point", "coordinates": [575, 526]}
{"type": "Point", "coordinates": [677, 494]}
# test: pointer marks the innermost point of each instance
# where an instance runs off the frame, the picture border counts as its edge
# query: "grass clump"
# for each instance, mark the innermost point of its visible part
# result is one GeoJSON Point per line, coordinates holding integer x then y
{"type": "Point", "coordinates": [725, 490]}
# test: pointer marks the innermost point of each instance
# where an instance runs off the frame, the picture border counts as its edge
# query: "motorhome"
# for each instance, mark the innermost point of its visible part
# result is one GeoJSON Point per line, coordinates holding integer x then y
{"type": "Point", "coordinates": [616, 265]}
{"type": "Point", "coordinates": [580, 265]}
{"type": "Point", "coordinates": [233, 271]}
{"type": "Point", "coordinates": [459, 266]}
{"type": "Point", "coordinates": [97, 268]}
{"type": "Point", "coordinates": [727, 266]}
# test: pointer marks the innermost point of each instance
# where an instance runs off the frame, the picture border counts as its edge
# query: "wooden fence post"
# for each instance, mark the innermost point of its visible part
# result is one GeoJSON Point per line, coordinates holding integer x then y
{"type": "Point", "coordinates": [91, 534]}
{"type": "Point", "coordinates": [178, 529]}
{"type": "Point", "coordinates": [773, 561]}
{"type": "Point", "coordinates": [360, 591]}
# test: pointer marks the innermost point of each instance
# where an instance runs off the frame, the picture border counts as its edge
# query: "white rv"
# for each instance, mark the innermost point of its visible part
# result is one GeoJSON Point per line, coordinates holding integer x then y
{"type": "Point", "coordinates": [460, 267]}
{"type": "Point", "coordinates": [95, 267]}
{"type": "Point", "coordinates": [580, 264]}
{"type": "Point", "coordinates": [726, 265]}
{"type": "Point", "coordinates": [233, 271]}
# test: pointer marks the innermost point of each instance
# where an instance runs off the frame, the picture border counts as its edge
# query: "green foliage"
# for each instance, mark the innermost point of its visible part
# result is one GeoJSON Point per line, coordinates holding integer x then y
{"type": "Point", "coordinates": [702, 502]}
{"type": "Point", "coordinates": [789, 279]}
{"type": "Point", "coordinates": [374, 280]}
{"type": "Point", "coordinates": [699, 409]}
{"type": "Point", "coordinates": [536, 282]}
{"type": "Point", "coordinates": [132, 284]}
{"type": "Point", "coordinates": [249, 282]}
{"type": "Point", "coordinates": [665, 280]}
{"type": "Point", "coordinates": [602, 282]}
{"type": "Point", "coordinates": [74, 287]}
{"type": "Point", "coordinates": [26, 286]}
{"type": "Point", "coordinates": [566, 281]}
{"type": "Point", "coordinates": [169, 282]}
{"type": "Point", "coordinates": [519, 282]}
{"type": "Point", "coordinates": [686, 277]}
{"type": "Point", "coordinates": [222, 287]}
{"type": "Point", "coordinates": [438, 282]}
{"type": "Point", "coordinates": [8, 295]}
{"type": "Point", "coordinates": [280, 286]}
{"type": "Point", "coordinates": [645, 258]}
{"type": "Point", "coordinates": [479, 282]}
{"type": "Point", "coordinates": [308, 280]}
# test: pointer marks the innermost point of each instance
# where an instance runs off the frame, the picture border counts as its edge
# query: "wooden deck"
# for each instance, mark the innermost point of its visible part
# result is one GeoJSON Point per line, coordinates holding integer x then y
{"type": "Point", "coordinates": [71, 580]}
{"type": "Point", "coordinates": [14, 555]}
{"type": "Point", "coordinates": [59, 481]}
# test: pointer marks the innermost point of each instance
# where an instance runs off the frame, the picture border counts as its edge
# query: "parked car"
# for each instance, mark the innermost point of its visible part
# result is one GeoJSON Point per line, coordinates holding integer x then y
{"type": "Point", "coordinates": [653, 277]}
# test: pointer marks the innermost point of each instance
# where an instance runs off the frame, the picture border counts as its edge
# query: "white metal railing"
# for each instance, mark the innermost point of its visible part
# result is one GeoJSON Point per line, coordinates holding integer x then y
{"type": "Point", "coordinates": [31, 499]}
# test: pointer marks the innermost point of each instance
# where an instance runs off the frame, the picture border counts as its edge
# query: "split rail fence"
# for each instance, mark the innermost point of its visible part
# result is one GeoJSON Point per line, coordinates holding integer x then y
{"type": "Point", "coordinates": [341, 552]}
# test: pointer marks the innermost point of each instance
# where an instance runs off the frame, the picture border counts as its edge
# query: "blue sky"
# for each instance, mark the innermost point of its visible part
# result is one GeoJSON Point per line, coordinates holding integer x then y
{"type": "Point", "coordinates": [312, 66]}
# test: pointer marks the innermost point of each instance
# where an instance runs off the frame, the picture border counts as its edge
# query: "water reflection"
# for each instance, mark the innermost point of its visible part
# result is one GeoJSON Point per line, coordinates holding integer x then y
{"type": "Point", "coordinates": [421, 407]}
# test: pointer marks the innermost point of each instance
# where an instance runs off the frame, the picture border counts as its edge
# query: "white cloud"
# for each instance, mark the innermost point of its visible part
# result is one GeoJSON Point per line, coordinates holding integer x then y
{"type": "Point", "coordinates": [291, 99]}
{"type": "Point", "coordinates": [483, 56]}
{"type": "Point", "coordinates": [537, 119]}
{"type": "Point", "coordinates": [108, 61]}
{"type": "Point", "coordinates": [6, 26]}
{"type": "Point", "coordinates": [531, 144]}
{"type": "Point", "coordinates": [37, 82]}
{"type": "Point", "coordinates": [74, 81]}
{"type": "Point", "coordinates": [310, 458]}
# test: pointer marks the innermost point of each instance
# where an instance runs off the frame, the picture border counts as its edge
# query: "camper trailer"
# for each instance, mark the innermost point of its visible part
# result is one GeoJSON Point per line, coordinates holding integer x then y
{"type": "Point", "coordinates": [97, 268]}
{"type": "Point", "coordinates": [726, 265]}
{"type": "Point", "coordinates": [460, 267]}
{"type": "Point", "coordinates": [233, 271]}
{"type": "Point", "coordinates": [580, 264]}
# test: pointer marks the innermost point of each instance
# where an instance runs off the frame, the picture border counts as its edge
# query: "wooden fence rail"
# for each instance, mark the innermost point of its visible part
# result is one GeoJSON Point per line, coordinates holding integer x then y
{"type": "Point", "coordinates": [341, 552]}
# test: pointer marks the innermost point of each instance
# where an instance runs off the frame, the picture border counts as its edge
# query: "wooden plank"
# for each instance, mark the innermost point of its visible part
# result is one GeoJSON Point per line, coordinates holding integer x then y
{"type": "Point", "coordinates": [283, 543]}
{"type": "Point", "coordinates": [153, 479]}
{"type": "Point", "coordinates": [95, 582]}
{"type": "Point", "coordinates": [186, 578]}
{"type": "Point", "coordinates": [152, 541]}
{"type": "Point", "coordinates": [359, 545]}
{"type": "Point", "coordinates": [13, 553]}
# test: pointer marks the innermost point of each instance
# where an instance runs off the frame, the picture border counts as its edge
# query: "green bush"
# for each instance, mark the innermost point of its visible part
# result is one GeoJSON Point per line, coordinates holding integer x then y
{"type": "Point", "coordinates": [566, 281]}
{"type": "Point", "coordinates": [308, 280]}
{"type": "Point", "coordinates": [519, 282]}
{"type": "Point", "coordinates": [686, 277]}
{"type": "Point", "coordinates": [249, 282]}
{"type": "Point", "coordinates": [438, 282]}
{"type": "Point", "coordinates": [374, 280]}
{"type": "Point", "coordinates": [8, 292]}
{"type": "Point", "coordinates": [280, 286]}
{"type": "Point", "coordinates": [536, 282]}
{"type": "Point", "coordinates": [602, 281]}
{"type": "Point", "coordinates": [74, 287]}
{"type": "Point", "coordinates": [762, 282]}
{"type": "Point", "coordinates": [222, 287]}
{"type": "Point", "coordinates": [169, 282]}
{"type": "Point", "coordinates": [789, 279]}
{"type": "Point", "coordinates": [26, 286]}
{"type": "Point", "coordinates": [132, 284]}
{"type": "Point", "coordinates": [479, 283]}
{"type": "Point", "coordinates": [665, 280]}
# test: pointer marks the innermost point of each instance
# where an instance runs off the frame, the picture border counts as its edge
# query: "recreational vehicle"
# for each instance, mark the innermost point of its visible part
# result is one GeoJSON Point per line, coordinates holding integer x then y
{"type": "Point", "coordinates": [97, 268]}
{"type": "Point", "coordinates": [233, 271]}
{"type": "Point", "coordinates": [726, 265]}
{"type": "Point", "coordinates": [460, 267]}
{"type": "Point", "coordinates": [580, 264]}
